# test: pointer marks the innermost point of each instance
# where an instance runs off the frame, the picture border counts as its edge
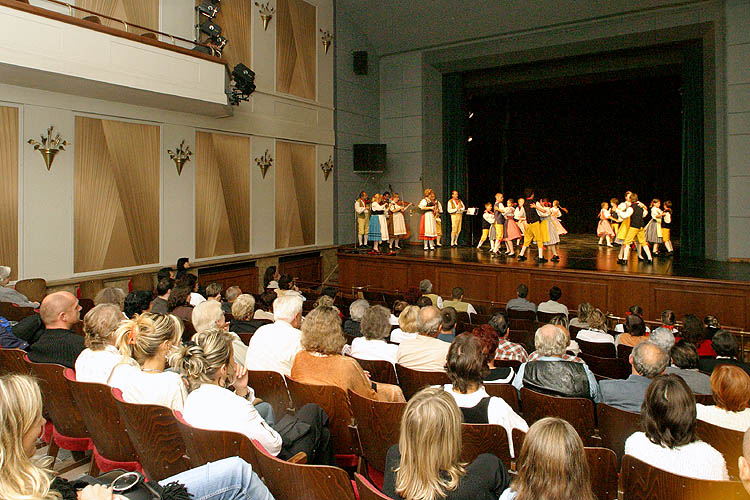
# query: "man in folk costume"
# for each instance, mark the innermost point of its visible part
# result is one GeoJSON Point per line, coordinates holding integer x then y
{"type": "Point", "coordinates": [362, 212]}
{"type": "Point", "coordinates": [456, 208]}
{"type": "Point", "coordinates": [427, 225]}
{"type": "Point", "coordinates": [534, 229]}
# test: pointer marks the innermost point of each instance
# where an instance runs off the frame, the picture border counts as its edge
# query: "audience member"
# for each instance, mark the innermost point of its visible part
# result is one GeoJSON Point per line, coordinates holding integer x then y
{"type": "Point", "coordinates": [136, 302]}
{"type": "Point", "coordinates": [208, 315]}
{"type": "Point", "coordinates": [595, 329]}
{"type": "Point", "coordinates": [685, 364]}
{"type": "Point", "coordinates": [179, 303]}
{"type": "Point", "coordinates": [638, 311]}
{"type": "Point", "coordinates": [647, 361]}
{"type": "Point", "coordinates": [356, 311]}
{"type": "Point", "coordinates": [490, 340]}
{"type": "Point", "coordinates": [110, 295]}
{"type": "Point", "coordinates": [635, 331]}
{"type": "Point", "coordinates": [412, 295]}
{"type": "Point", "coordinates": [561, 321]}
{"type": "Point", "coordinates": [744, 461]}
{"type": "Point", "coordinates": [8, 340]}
{"type": "Point", "coordinates": [407, 325]}
{"type": "Point", "coordinates": [669, 441]}
{"type": "Point", "coordinates": [426, 462]}
{"type": "Point", "coordinates": [273, 347]}
{"type": "Point", "coordinates": [230, 296]}
{"type": "Point", "coordinates": [425, 286]}
{"type": "Point", "coordinates": [693, 332]}
{"type": "Point", "coordinates": [730, 386]}
{"type": "Point", "coordinates": [668, 320]}
{"type": "Point", "coordinates": [553, 306]}
{"type": "Point", "coordinates": [58, 343]}
{"type": "Point", "coordinates": [506, 350]}
{"type": "Point", "coordinates": [165, 273]}
{"type": "Point", "coordinates": [96, 362]}
{"type": "Point", "coordinates": [213, 292]}
{"type": "Point", "coordinates": [243, 309]}
{"type": "Point", "coordinates": [551, 374]}
{"type": "Point", "coordinates": [711, 326]}
{"type": "Point", "coordinates": [582, 319]}
{"type": "Point", "coordinates": [264, 307]}
{"type": "Point", "coordinates": [727, 353]}
{"type": "Point", "coordinates": [424, 301]}
{"type": "Point", "coordinates": [288, 286]}
{"type": "Point", "coordinates": [10, 294]}
{"type": "Point", "coordinates": [163, 290]}
{"type": "Point", "coordinates": [457, 302]}
{"type": "Point", "coordinates": [520, 303]}
{"type": "Point", "coordinates": [398, 306]}
{"type": "Point", "coordinates": [183, 264]}
{"type": "Point", "coordinates": [448, 324]}
{"type": "Point", "coordinates": [375, 329]}
{"type": "Point", "coordinates": [424, 352]}
{"type": "Point", "coordinates": [191, 281]}
{"type": "Point", "coordinates": [271, 276]}
{"type": "Point", "coordinates": [552, 464]}
{"type": "Point", "coordinates": [663, 337]}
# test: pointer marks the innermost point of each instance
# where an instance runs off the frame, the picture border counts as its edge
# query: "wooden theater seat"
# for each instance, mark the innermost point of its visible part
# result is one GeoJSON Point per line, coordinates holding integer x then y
{"type": "Point", "coordinates": [545, 317]}
{"type": "Point", "coordinates": [411, 381]}
{"type": "Point", "coordinates": [270, 387]}
{"type": "Point", "coordinates": [89, 288]}
{"type": "Point", "coordinates": [727, 441]}
{"type": "Point", "coordinates": [485, 438]}
{"type": "Point", "coordinates": [600, 349]}
{"type": "Point", "coordinates": [366, 490]}
{"type": "Point", "coordinates": [523, 337]}
{"type": "Point", "coordinates": [380, 370]}
{"type": "Point", "coordinates": [12, 361]}
{"type": "Point", "coordinates": [615, 368]}
{"type": "Point", "coordinates": [34, 289]}
{"type": "Point", "coordinates": [14, 313]}
{"type": "Point", "coordinates": [506, 392]}
{"type": "Point", "coordinates": [579, 412]}
{"type": "Point", "coordinates": [206, 445]}
{"type": "Point", "coordinates": [615, 426]}
{"type": "Point", "coordinates": [515, 314]}
{"type": "Point", "coordinates": [624, 351]}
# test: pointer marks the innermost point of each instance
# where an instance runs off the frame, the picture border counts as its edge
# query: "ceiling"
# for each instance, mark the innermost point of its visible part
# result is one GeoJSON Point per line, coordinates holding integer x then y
{"type": "Point", "coordinates": [393, 26]}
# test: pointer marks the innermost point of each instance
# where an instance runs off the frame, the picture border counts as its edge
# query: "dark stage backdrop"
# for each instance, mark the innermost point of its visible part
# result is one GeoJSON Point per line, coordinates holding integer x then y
{"type": "Point", "coordinates": [579, 144]}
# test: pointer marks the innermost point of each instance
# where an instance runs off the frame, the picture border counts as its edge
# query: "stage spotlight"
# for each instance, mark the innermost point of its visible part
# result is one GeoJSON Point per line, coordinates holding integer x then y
{"type": "Point", "coordinates": [471, 114]}
{"type": "Point", "coordinates": [470, 139]}
{"type": "Point", "coordinates": [243, 84]}
{"type": "Point", "coordinates": [208, 8]}
{"type": "Point", "coordinates": [210, 28]}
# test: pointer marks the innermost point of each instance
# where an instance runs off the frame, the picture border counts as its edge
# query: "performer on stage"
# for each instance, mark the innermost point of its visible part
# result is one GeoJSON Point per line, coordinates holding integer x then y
{"type": "Point", "coordinates": [488, 225]}
{"type": "Point", "coordinates": [534, 230]}
{"type": "Point", "coordinates": [635, 213]}
{"type": "Point", "coordinates": [499, 209]}
{"type": "Point", "coordinates": [378, 229]}
{"type": "Point", "coordinates": [604, 229]}
{"type": "Point", "coordinates": [556, 213]}
{"type": "Point", "coordinates": [666, 227]}
{"type": "Point", "coordinates": [622, 231]}
{"type": "Point", "coordinates": [613, 218]}
{"type": "Point", "coordinates": [362, 212]}
{"type": "Point", "coordinates": [438, 219]}
{"type": "Point", "coordinates": [520, 215]}
{"type": "Point", "coordinates": [653, 228]}
{"type": "Point", "coordinates": [427, 226]}
{"type": "Point", "coordinates": [397, 216]}
{"type": "Point", "coordinates": [552, 238]}
{"type": "Point", "coordinates": [456, 208]}
{"type": "Point", "coordinates": [511, 230]}
{"type": "Point", "coordinates": [385, 202]}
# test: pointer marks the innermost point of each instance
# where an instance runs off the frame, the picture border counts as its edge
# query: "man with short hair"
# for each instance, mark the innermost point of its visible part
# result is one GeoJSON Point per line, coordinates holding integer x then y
{"type": "Point", "coordinates": [58, 343]}
{"type": "Point", "coordinates": [230, 295]}
{"type": "Point", "coordinates": [425, 286]}
{"type": "Point", "coordinates": [685, 364]}
{"type": "Point", "coordinates": [457, 302]}
{"type": "Point", "coordinates": [163, 291]}
{"type": "Point", "coordinates": [743, 462]}
{"type": "Point", "coordinates": [273, 347]}
{"type": "Point", "coordinates": [520, 303]}
{"type": "Point", "coordinates": [553, 305]}
{"type": "Point", "coordinates": [647, 360]}
{"type": "Point", "coordinates": [663, 337]}
{"type": "Point", "coordinates": [425, 352]}
{"type": "Point", "coordinates": [448, 326]}
{"type": "Point", "coordinates": [165, 272]}
{"type": "Point", "coordinates": [506, 350]}
{"type": "Point", "coordinates": [213, 292]}
{"type": "Point", "coordinates": [209, 314]}
{"type": "Point", "coordinates": [727, 352]}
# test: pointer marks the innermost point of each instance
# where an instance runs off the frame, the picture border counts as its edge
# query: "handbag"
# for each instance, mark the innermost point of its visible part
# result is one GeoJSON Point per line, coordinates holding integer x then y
{"type": "Point", "coordinates": [134, 486]}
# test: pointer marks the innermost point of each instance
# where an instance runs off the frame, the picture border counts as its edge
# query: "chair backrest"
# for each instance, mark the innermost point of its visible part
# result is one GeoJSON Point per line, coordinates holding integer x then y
{"type": "Point", "coordinates": [480, 319]}
{"type": "Point", "coordinates": [58, 400]}
{"type": "Point", "coordinates": [86, 306]}
{"type": "Point", "coordinates": [641, 481]}
{"type": "Point", "coordinates": [463, 316]}
{"type": "Point", "coordinates": [14, 313]}
{"type": "Point", "coordinates": [189, 330]}
{"type": "Point", "coordinates": [727, 441]}
{"type": "Point", "coordinates": [615, 368]}
{"type": "Point", "coordinates": [411, 381]}
{"type": "Point", "coordinates": [705, 399]}
{"type": "Point", "coordinates": [573, 330]}
{"type": "Point", "coordinates": [245, 337]}
{"type": "Point", "coordinates": [485, 438]}
{"type": "Point", "coordinates": [515, 314]}
{"type": "Point", "coordinates": [624, 351]}
{"type": "Point", "coordinates": [366, 490]}
{"type": "Point", "coordinates": [523, 337]}
{"type": "Point", "coordinates": [290, 481]}
{"type": "Point", "coordinates": [143, 281]}
{"type": "Point", "coordinates": [12, 361]}
{"type": "Point", "coordinates": [155, 436]}
{"type": "Point", "coordinates": [99, 412]}
{"type": "Point", "coordinates": [35, 288]}
{"type": "Point", "coordinates": [579, 412]}
{"type": "Point", "coordinates": [603, 469]}
{"type": "Point", "coordinates": [615, 426]}
{"type": "Point", "coordinates": [270, 387]}
{"type": "Point", "coordinates": [506, 392]}
{"type": "Point", "coordinates": [522, 324]}
{"type": "Point", "coordinates": [378, 426]}
{"type": "Point", "coordinates": [380, 370]}
{"type": "Point", "coordinates": [90, 288]}
{"type": "Point", "coordinates": [545, 317]}
{"type": "Point", "coordinates": [335, 403]}
{"type": "Point", "coordinates": [206, 445]}
{"type": "Point", "coordinates": [510, 363]}
{"type": "Point", "coordinates": [600, 349]}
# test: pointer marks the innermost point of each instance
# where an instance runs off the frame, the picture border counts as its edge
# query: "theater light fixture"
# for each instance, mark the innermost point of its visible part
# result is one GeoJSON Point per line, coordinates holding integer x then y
{"type": "Point", "coordinates": [266, 13]}
{"type": "Point", "coordinates": [327, 167]}
{"type": "Point", "coordinates": [49, 146]}
{"type": "Point", "coordinates": [243, 84]}
{"type": "Point", "coordinates": [327, 39]}
{"type": "Point", "coordinates": [180, 155]}
{"type": "Point", "coordinates": [210, 28]}
{"type": "Point", "coordinates": [208, 8]}
{"type": "Point", "coordinates": [264, 163]}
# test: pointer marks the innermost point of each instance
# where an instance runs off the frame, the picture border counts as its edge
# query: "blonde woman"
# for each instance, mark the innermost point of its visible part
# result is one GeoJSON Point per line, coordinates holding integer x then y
{"type": "Point", "coordinates": [96, 362]}
{"type": "Point", "coordinates": [552, 464]}
{"type": "Point", "coordinates": [25, 477]}
{"type": "Point", "coordinates": [425, 464]}
{"type": "Point", "coordinates": [148, 339]}
{"type": "Point", "coordinates": [243, 309]}
{"type": "Point", "coordinates": [407, 325]}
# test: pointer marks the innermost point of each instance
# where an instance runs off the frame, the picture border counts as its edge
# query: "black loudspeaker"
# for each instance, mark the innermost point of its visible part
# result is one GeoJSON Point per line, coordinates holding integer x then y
{"type": "Point", "coordinates": [360, 62]}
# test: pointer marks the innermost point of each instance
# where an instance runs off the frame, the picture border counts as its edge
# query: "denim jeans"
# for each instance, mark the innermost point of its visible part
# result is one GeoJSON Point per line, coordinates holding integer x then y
{"type": "Point", "coordinates": [228, 479]}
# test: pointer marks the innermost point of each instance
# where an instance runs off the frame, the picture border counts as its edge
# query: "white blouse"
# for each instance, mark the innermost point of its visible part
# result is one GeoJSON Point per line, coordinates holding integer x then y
{"type": "Point", "coordinates": [97, 366]}
{"type": "Point", "coordinates": [735, 420]}
{"type": "Point", "coordinates": [363, 348]}
{"type": "Point", "coordinates": [595, 336]}
{"type": "Point", "coordinates": [398, 336]}
{"type": "Point", "coordinates": [158, 388]}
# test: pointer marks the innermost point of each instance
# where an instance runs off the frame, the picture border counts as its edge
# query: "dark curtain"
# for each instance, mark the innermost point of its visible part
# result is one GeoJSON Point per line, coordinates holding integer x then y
{"type": "Point", "coordinates": [455, 127]}
{"type": "Point", "coordinates": [691, 214]}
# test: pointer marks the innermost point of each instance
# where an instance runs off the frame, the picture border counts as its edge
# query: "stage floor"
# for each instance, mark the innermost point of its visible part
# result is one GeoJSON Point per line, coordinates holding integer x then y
{"type": "Point", "coordinates": [582, 253]}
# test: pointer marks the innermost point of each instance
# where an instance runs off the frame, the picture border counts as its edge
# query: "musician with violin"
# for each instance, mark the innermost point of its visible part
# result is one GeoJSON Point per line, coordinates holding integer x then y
{"type": "Point", "coordinates": [438, 220]}
{"type": "Point", "coordinates": [362, 213]}
{"type": "Point", "coordinates": [427, 224]}
{"type": "Point", "coordinates": [397, 208]}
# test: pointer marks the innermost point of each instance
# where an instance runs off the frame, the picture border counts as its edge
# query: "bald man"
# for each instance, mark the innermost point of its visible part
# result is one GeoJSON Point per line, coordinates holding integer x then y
{"type": "Point", "coordinates": [647, 361]}
{"type": "Point", "coordinates": [744, 462]}
{"type": "Point", "coordinates": [425, 353]}
{"type": "Point", "coordinates": [58, 343]}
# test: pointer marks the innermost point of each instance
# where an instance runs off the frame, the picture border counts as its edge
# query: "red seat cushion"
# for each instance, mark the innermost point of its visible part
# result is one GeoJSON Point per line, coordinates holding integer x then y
{"type": "Point", "coordinates": [71, 443]}
{"type": "Point", "coordinates": [106, 465]}
{"type": "Point", "coordinates": [377, 477]}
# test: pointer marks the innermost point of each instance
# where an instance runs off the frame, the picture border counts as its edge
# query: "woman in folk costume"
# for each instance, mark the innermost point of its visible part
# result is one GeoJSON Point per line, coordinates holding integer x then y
{"type": "Point", "coordinates": [499, 209]}
{"type": "Point", "coordinates": [438, 220]}
{"type": "Point", "coordinates": [520, 215]}
{"type": "Point", "coordinates": [604, 229]}
{"type": "Point", "coordinates": [427, 226]}
{"type": "Point", "coordinates": [456, 208]}
{"type": "Point", "coordinates": [551, 238]}
{"type": "Point", "coordinates": [397, 215]}
{"type": "Point", "coordinates": [488, 225]}
{"type": "Point", "coordinates": [556, 212]}
{"type": "Point", "coordinates": [653, 228]}
{"type": "Point", "coordinates": [511, 230]}
{"type": "Point", "coordinates": [622, 231]}
{"type": "Point", "coordinates": [378, 224]}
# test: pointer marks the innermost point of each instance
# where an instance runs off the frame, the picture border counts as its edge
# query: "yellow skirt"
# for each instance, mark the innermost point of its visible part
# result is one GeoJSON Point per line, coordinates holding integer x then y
{"type": "Point", "coordinates": [624, 228]}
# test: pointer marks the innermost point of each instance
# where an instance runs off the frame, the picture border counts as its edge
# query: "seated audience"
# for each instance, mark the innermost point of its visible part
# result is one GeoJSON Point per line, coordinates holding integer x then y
{"type": "Point", "coordinates": [208, 315]}
{"type": "Point", "coordinates": [711, 326]}
{"type": "Point", "coordinates": [668, 320]}
{"type": "Point", "coordinates": [209, 368]}
{"type": "Point", "coordinates": [136, 302]}
{"type": "Point", "coordinates": [96, 362]}
{"type": "Point", "coordinates": [8, 339]}
{"type": "Point", "coordinates": [264, 306]}
{"type": "Point", "coordinates": [375, 329]}
{"type": "Point", "coordinates": [110, 295]}
{"type": "Point", "coordinates": [730, 386]}
{"type": "Point", "coordinates": [274, 347]}
{"type": "Point", "coordinates": [58, 343]}
{"type": "Point", "coordinates": [506, 350]}
{"type": "Point", "coordinates": [561, 321]}
{"type": "Point", "coordinates": [163, 290]}
{"type": "Point", "coordinates": [231, 295]}
{"type": "Point", "coordinates": [271, 276]}
{"type": "Point", "coordinates": [490, 340]}
{"type": "Point", "coordinates": [595, 329]}
{"type": "Point", "coordinates": [727, 353]}
{"type": "Point", "coordinates": [553, 305]}
{"type": "Point", "coordinates": [213, 292]}
{"type": "Point", "coordinates": [287, 286]}
{"type": "Point", "coordinates": [693, 332]}
{"type": "Point", "coordinates": [467, 369]}
{"type": "Point", "coordinates": [424, 301]}
{"type": "Point", "coordinates": [426, 463]}
{"type": "Point", "coordinates": [448, 325]}
{"type": "Point", "coordinates": [243, 309]}
{"type": "Point", "coordinates": [685, 364]}
{"type": "Point", "coordinates": [183, 264]}
{"type": "Point", "coordinates": [179, 303]}
{"type": "Point", "coordinates": [647, 360]}
{"type": "Point", "coordinates": [26, 476]}
{"type": "Point", "coordinates": [669, 439]}
{"type": "Point", "coordinates": [520, 303]}
{"type": "Point", "coordinates": [424, 352]}
{"type": "Point", "coordinates": [582, 319]}
{"type": "Point", "coordinates": [550, 374]}
{"type": "Point", "coordinates": [552, 464]}
{"type": "Point", "coordinates": [425, 286]}
{"type": "Point", "coordinates": [635, 331]}
{"type": "Point", "coordinates": [191, 282]}
{"type": "Point", "coordinates": [638, 311]}
{"type": "Point", "coordinates": [356, 311]}
{"type": "Point", "coordinates": [407, 325]}
{"type": "Point", "coordinates": [149, 339]}
{"type": "Point", "coordinates": [398, 306]}
{"type": "Point", "coordinates": [10, 294]}
{"type": "Point", "coordinates": [457, 302]}
{"type": "Point", "coordinates": [663, 337]}
{"type": "Point", "coordinates": [744, 461]}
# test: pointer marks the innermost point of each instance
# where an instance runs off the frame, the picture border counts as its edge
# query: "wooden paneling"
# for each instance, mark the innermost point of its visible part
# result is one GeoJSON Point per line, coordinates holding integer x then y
{"type": "Point", "coordinates": [574, 291]}
{"type": "Point", "coordinates": [235, 18]}
{"type": "Point", "coordinates": [295, 194]}
{"type": "Point", "coordinates": [303, 267]}
{"type": "Point", "coordinates": [9, 189]}
{"type": "Point", "coordinates": [244, 275]}
{"type": "Point", "coordinates": [722, 303]}
{"type": "Point", "coordinates": [141, 12]}
{"type": "Point", "coordinates": [296, 42]}
{"type": "Point", "coordinates": [474, 283]}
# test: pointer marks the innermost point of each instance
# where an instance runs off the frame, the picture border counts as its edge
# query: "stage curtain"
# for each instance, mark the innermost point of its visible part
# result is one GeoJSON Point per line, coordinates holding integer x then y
{"type": "Point", "coordinates": [691, 214]}
{"type": "Point", "coordinates": [9, 188]}
{"type": "Point", "coordinates": [455, 129]}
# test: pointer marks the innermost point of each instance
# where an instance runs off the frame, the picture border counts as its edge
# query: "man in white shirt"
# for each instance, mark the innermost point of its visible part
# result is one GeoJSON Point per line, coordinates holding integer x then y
{"type": "Point", "coordinates": [425, 352]}
{"type": "Point", "coordinates": [273, 347]}
{"type": "Point", "coordinates": [552, 305]}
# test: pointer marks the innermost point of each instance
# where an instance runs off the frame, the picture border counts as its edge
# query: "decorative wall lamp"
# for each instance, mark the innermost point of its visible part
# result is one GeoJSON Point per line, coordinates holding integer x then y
{"type": "Point", "coordinates": [181, 155]}
{"type": "Point", "coordinates": [264, 162]}
{"type": "Point", "coordinates": [49, 147]}
{"type": "Point", "coordinates": [327, 167]}
{"type": "Point", "coordinates": [327, 39]}
{"type": "Point", "coordinates": [266, 13]}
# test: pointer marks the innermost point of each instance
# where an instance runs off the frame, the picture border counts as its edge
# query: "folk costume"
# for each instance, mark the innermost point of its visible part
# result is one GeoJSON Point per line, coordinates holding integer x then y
{"type": "Point", "coordinates": [456, 208]}
{"type": "Point", "coordinates": [362, 212]}
{"type": "Point", "coordinates": [378, 230]}
{"type": "Point", "coordinates": [427, 225]}
{"type": "Point", "coordinates": [604, 228]}
{"type": "Point", "coordinates": [488, 228]}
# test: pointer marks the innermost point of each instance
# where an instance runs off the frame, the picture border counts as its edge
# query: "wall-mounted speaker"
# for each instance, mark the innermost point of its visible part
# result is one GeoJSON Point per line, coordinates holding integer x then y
{"type": "Point", "coordinates": [360, 62]}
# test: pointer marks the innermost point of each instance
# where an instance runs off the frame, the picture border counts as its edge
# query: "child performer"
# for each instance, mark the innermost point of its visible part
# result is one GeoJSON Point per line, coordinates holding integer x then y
{"type": "Point", "coordinates": [604, 229]}
{"type": "Point", "coordinates": [520, 215]}
{"type": "Point", "coordinates": [534, 211]}
{"type": "Point", "coordinates": [499, 209]}
{"type": "Point", "coordinates": [488, 225]}
{"type": "Point", "coordinates": [666, 227]}
{"type": "Point", "coordinates": [512, 232]}
{"type": "Point", "coordinates": [397, 214]}
{"type": "Point", "coordinates": [456, 208]}
{"type": "Point", "coordinates": [438, 220]}
{"type": "Point", "coordinates": [378, 225]}
{"type": "Point", "coordinates": [622, 231]}
{"type": "Point", "coordinates": [613, 218]}
{"type": "Point", "coordinates": [635, 213]}
{"type": "Point", "coordinates": [551, 238]}
{"type": "Point", "coordinates": [427, 226]}
{"type": "Point", "coordinates": [362, 212]}
{"type": "Point", "coordinates": [556, 213]}
{"type": "Point", "coordinates": [653, 228]}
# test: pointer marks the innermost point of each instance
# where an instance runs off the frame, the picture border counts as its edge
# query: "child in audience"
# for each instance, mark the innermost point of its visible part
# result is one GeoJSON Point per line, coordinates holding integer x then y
{"type": "Point", "coordinates": [488, 226]}
{"type": "Point", "coordinates": [604, 230]}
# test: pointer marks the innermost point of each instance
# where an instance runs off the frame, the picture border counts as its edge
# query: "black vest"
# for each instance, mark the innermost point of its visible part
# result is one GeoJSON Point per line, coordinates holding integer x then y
{"type": "Point", "coordinates": [477, 414]}
{"type": "Point", "coordinates": [664, 224]}
{"type": "Point", "coordinates": [637, 219]}
{"type": "Point", "coordinates": [531, 214]}
{"type": "Point", "coordinates": [557, 378]}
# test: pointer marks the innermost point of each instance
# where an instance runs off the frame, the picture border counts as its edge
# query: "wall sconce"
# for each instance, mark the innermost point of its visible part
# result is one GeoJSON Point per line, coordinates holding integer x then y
{"type": "Point", "coordinates": [327, 39]}
{"type": "Point", "coordinates": [181, 155]}
{"type": "Point", "coordinates": [264, 162]}
{"type": "Point", "coordinates": [327, 167]}
{"type": "Point", "coordinates": [49, 147]}
{"type": "Point", "coordinates": [266, 13]}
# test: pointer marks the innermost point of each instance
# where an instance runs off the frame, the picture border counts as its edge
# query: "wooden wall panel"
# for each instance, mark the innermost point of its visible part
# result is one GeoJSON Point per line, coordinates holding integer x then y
{"type": "Point", "coordinates": [235, 19]}
{"type": "Point", "coordinates": [141, 12]}
{"type": "Point", "coordinates": [475, 283]}
{"type": "Point", "coordinates": [116, 191]}
{"type": "Point", "coordinates": [9, 189]}
{"type": "Point", "coordinates": [701, 302]}
{"type": "Point", "coordinates": [296, 43]}
{"type": "Point", "coordinates": [295, 194]}
{"type": "Point", "coordinates": [222, 194]}
{"type": "Point", "coordinates": [243, 275]}
{"type": "Point", "coordinates": [507, 285]}
{"type": "Point", "coordinates": [305, 267]}
{"type": "Point", "coordinates": [574, 291]}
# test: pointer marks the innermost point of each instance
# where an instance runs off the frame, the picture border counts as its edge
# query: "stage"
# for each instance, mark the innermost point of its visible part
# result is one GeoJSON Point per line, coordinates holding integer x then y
{"type": "Point", "coordinates": [586, 272]}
